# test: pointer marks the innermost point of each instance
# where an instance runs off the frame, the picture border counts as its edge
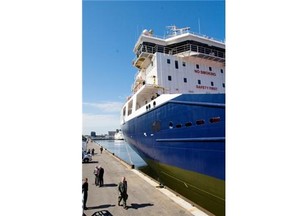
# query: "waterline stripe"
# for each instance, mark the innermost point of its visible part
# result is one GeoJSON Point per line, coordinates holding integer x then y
{"type": "Point", "coordinates": [202, 139]}
{"type": "Point", "coordinates": [198, 103]}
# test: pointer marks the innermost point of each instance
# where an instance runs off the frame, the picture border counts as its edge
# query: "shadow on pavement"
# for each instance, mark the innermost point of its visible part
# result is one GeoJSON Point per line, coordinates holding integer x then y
{"type": "Point", "coordinates": [89, 162]}
{"type": "Point", "coordinates": [100, 206]}
{"type": "Point", "coordinates": [110, 185]}
{"type": "Point", "coordinates": [136, 206]}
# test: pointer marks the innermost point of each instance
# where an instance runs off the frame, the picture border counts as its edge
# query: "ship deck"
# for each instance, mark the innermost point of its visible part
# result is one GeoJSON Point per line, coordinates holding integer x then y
{"type": "Point", "coordinates": [145, 195]}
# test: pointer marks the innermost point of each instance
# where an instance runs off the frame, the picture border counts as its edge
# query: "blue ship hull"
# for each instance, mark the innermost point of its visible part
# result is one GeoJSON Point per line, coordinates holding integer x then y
{"type": "Point", "coordinates": [183, 140]}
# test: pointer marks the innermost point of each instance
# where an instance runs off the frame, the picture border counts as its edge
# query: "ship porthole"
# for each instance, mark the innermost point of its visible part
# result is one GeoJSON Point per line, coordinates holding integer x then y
{"type": "Point", "coordinates": [200, 122]}
{"type": "Point", "coordinates": [178, 126]}
{"type": "Point", "coordinates": [215, 120]}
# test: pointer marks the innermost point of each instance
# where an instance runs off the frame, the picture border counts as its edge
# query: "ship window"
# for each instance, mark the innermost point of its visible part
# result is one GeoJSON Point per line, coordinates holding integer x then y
{"type": "Point", "coordinates": [168, 61]}
{"type": "Point", "coordinates": [212, 83]}
{"type": "Point", "coordinates": [223, 84]}
{"type": "Point", "coordinates": [184, 64]}
{"type": "Point", "coordinates": [130, 107]}
{"type": "Point", "coordinates": [170, 125]}
{"type": "Point", "coordinates": [197, 66]}
{"type": "Point", "coordinates": [221, 70]}
{"type": "Point", "coordinates": [199, 82]}
{"type": "Point", "coordinates": [200, 122]}
{"type": "Point", "coordinates": [214, 119]}
{"type": "Point", "coordinates": [178, 126]}
{"type": "Point", "coordinates": [185, 80]}
{"type": "Point", "coordinates": [124, 111]}
{"type": "Point", "coordinates": [169, 78]}
{"type": "Point", "coordinates": [188, 124]}
{"type": "Point", "coordinates": [176, 64]}
{"type": "Point", "coordinates": [210, 68]}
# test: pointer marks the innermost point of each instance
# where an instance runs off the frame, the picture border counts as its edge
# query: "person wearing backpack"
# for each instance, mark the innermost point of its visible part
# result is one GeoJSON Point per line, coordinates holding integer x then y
{"type": "Point", "coordinates": [122, 189]}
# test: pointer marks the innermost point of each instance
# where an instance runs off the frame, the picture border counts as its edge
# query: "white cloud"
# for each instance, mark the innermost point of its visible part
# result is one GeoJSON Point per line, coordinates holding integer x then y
{"type": "Point", "coordinates": [101, 124]}
{"type": "Point", "coordinates": [106, 107]}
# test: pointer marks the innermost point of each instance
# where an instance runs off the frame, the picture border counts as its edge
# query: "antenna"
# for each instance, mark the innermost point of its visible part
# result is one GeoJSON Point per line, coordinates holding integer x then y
{"type": "Point", "coordinates": [174, 31]}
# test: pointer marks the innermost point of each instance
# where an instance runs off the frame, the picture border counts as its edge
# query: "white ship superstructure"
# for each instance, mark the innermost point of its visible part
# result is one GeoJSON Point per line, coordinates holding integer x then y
{"type": "Point", "coordinates": [183, 63]}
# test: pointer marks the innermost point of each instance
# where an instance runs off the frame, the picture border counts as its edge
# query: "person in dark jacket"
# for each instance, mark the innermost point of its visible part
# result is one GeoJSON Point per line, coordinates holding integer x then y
{"type": "Point", "coordinates": [101, 176]}
{"type": "Point", "coordinates": [122, 189]}
{"type": "Point", "coordinates": [85, 193]}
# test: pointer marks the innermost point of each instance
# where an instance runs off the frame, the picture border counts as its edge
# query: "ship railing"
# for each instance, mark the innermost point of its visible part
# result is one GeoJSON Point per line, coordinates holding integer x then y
{"type": "Point", "coordinates": [179, 49]}
{"type": "Point", "coordinates": [138, 75]}
{"type": "Point", "coordinates": [136, 86]}
{"type": "Point", "coordinates": [188, 31]}
{"type": "Point", "coordinates": [198, 49]}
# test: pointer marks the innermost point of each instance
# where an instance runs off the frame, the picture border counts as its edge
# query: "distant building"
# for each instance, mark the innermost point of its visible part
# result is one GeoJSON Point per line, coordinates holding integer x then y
{"type": "Point", "coordinates": [111, 133]}
{"type": "Point", "coordinates": [93, 134]}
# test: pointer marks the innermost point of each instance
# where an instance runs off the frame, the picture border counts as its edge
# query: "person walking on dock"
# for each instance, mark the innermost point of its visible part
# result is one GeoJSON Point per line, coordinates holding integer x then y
{"type": "Point", "coordinates": [101, 149]}
{"type": "Point", "coordinates": [122, 189]}
{"type": "Point", "coordinates": [85, 193]}
{"type": "Point", "coordinates": [101, 176]}
{"type": "Point", "coordinates": [96, 173]}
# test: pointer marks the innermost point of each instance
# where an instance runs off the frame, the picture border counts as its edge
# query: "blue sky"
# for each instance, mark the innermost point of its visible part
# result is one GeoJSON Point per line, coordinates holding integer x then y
{"type": "Point", "coordinates": [110, 30]}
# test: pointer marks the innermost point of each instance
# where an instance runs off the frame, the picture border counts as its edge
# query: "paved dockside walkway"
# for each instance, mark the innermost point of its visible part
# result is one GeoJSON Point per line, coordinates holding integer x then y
{"type": "Point", "coordinates": [144, 197]}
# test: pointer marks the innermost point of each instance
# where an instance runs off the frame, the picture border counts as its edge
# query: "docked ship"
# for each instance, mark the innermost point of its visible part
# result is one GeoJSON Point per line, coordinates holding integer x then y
{"type": "Point", "coordinates": [118, 135]}
{"type": "Point", "coordinates": [175, 116]}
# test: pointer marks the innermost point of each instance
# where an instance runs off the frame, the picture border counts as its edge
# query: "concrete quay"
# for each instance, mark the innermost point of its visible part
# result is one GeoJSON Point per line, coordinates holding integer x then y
{"type": "Point", "coordinates": [145, 197]}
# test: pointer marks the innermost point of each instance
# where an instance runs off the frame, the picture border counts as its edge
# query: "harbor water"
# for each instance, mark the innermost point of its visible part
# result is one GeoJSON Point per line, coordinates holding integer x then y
{"type": "Point", "coordinates": [121, 149]}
